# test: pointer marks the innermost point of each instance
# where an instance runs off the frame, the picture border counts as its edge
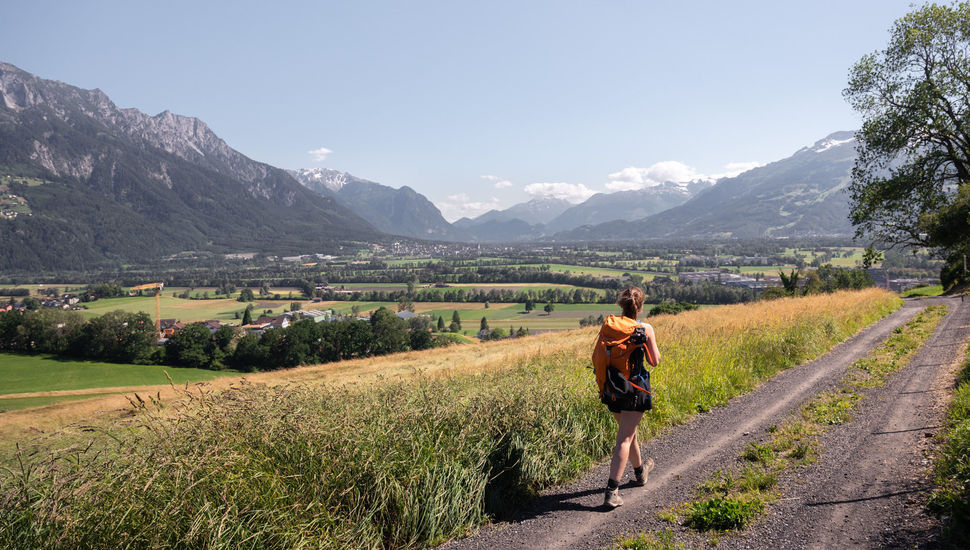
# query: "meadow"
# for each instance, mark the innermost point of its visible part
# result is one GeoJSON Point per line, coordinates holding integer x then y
{"type": "Point", "coordinates": [37, 380]}
{"type": "Point", "coordinates": [187, 310]}
{"type": "Point", "coordinates": [407, 461]}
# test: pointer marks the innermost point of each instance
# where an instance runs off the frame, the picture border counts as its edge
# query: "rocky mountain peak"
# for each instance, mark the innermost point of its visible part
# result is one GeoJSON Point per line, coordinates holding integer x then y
{"type": "Point", "coordinates": [315, 178]}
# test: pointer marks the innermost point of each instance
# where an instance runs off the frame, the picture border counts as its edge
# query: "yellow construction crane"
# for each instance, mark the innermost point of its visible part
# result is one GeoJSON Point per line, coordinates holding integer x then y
{"type": "Point", "coordinates": [158, 307]}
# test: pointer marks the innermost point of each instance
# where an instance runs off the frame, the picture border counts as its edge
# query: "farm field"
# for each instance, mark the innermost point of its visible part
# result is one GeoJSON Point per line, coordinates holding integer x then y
{"type": "Point", "coordinates": [222, 309]}
{"type": "Point", "coordinates": [20, 403]}
{"type": "Point", "coordinates": [592, 271]}
{"type": "Point", "coordinates": [46, 373]}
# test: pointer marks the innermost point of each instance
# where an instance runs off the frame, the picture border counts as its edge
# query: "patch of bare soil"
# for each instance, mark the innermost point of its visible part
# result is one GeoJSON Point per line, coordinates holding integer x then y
{"type": "Point", "coordinates": [866, 490]}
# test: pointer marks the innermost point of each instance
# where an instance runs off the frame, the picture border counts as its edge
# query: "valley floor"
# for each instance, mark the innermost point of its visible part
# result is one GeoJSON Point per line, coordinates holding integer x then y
{"type": "Point", "coordinates": [867, 490]}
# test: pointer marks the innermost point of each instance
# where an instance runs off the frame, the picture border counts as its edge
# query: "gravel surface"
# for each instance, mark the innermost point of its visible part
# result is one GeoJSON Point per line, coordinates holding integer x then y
{"type": "Point", "coordinates": [866, 490]}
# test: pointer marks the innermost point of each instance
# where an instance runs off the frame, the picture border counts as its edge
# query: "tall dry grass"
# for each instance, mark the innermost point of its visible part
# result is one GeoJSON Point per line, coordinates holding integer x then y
{"type": "Point", "coordinates": [403, 462]}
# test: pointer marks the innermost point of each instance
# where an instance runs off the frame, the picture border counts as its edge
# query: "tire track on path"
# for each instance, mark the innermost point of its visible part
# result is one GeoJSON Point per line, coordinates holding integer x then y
{"type": "Point", "coordinates": [573, 517]}
{"type": "Point", "coordinates": [869, 487]}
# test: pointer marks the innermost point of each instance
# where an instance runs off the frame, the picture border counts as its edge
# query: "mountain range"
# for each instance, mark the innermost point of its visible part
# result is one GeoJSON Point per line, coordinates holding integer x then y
{"type": "Point", "coordinates": [802, 195]}
{"type": "Point", "coordinates": [108, 184]}
{"type": "Point", "coordinates": [401, 211]}
{"type": "Point", "coordinates": [92, 183]}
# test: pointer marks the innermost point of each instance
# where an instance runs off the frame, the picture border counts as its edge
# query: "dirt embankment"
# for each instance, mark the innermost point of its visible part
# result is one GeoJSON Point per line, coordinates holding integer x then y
{"type": "Point", "coordinates": [866, 490]}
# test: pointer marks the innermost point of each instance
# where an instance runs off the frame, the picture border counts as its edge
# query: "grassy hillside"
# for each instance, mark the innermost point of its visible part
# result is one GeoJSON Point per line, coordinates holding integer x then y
{"type": "Point", "coordinates": [47, 376]}
{"type": "Point", "coordinates": [33, 373]}
{"type": "Point", "coordinates": [403, 462]}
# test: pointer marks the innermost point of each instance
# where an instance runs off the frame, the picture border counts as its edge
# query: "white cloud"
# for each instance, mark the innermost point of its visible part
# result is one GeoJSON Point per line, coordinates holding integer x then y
{"type": "Point", "coordinates": [572, 192]}
{"type": "Point", "coordinates": [461, 205]}
{"type": "Point", "coordinates": [732, 169]}
{"type": "Point", "coordinates": [633, 178]}
{"type": "Point", "coordinates": [319, 155]}
{"type": "Point", "coordinates": [499, 182]}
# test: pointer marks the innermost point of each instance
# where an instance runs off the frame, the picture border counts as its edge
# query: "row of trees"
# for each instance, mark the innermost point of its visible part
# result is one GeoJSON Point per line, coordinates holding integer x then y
{"type": "Point", "coordinates": [309, 342]}
{"type": "Point", "coordinates": [122, 337]}
{"type": "Point", "coordinates": [117, 336]}
{"type": "Point", "coordinates": [824, 279]}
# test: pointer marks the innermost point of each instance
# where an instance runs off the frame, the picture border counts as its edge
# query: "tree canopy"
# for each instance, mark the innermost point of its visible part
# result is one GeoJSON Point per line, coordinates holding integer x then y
{"type": "Point", "coordinates": [909, 181]}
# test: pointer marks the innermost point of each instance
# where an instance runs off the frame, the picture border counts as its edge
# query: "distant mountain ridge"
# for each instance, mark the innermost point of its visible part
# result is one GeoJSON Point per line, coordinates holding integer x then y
{"type": "Point", "coordinates": [126, 186]}
{"type": "Point", "coordinates": [626, 205]}
{"type": "Point", "coordinates": [802, 195]}
{"type": "Point", "coordinates": [394, 211]}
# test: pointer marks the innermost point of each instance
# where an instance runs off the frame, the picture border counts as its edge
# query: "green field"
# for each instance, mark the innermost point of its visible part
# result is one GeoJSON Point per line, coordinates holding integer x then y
{"type": "Point", "coordinates": [39, 373]}
{"type": "Point", "coordinates": [222, 309]}
{"type": "Point", "coordinates": [932, 290]}
{"type": "Point", "coordinates": [17, 404]}
{"type": "Point", "coordinates": [586, 270]}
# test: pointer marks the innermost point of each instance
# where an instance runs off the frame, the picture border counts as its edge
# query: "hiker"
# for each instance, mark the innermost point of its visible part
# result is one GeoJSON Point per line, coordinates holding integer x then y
{"type": "Point", "coordinates": [628, 411]}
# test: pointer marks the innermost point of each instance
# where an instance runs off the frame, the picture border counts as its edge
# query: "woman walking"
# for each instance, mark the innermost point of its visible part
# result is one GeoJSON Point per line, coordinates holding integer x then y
{"type": "Point", "coordinates": [629, 341]}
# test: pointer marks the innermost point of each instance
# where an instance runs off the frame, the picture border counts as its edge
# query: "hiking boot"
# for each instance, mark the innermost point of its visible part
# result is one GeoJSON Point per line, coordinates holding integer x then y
{"type": "Point", "coordinates": [641, 478]}
{"type": "Point", "coordinates": [612, 498]}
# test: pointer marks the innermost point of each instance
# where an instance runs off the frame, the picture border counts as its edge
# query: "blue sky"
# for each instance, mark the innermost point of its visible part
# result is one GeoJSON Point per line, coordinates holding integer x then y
{"type": "Point", "coordinates": [474, 104]}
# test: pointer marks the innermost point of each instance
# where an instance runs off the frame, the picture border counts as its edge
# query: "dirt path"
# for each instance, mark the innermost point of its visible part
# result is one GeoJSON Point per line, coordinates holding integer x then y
{"type": "Point", "coordinates": [863, 491]}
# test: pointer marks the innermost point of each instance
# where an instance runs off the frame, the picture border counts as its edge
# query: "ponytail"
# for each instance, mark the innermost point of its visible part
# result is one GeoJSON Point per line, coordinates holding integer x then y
{"type": "Point", "coordinates": [631, 301]}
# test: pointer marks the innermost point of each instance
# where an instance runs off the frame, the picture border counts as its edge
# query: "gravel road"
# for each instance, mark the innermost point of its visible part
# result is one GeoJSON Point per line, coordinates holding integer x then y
{"type": "Point", "coordinates": [866, 490]}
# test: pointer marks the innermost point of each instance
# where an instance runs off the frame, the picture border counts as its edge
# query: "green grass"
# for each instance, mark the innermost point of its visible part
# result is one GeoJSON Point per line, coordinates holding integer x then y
{"type": "Point", "coordinates": [951, 499]}
{"type": "Point", "coordinates": [661, 540]}
{"type": "Point", "coordinates": [931, 290]}
{"type": "Point", "coordinates": [37, 373]}
{"type": "Point", "coordinates": [585, 270]}
{"type": "Point", "coordinates": [222, 309]}
{"type": "Point", "coordinates": [18, 403]}
{"type": "Point", "coordinates": [722, 513]}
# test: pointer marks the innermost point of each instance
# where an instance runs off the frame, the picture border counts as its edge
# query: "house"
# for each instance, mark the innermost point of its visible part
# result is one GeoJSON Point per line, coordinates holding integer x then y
{"type": "Point", "coordinates": [406, 314]}
{"type": "Point", "coordinates": [212, 325]}
{"type": "Point", "coordinates": [317, 315]}
{"type": "Point", "coordinates": [281, 321]}
{"type": "Point", "coordinates": [172, 329]}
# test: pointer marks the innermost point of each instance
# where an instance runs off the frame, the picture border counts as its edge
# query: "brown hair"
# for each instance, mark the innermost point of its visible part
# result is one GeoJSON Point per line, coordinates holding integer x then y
{"type": "Point", "coordinates": [631, 301]}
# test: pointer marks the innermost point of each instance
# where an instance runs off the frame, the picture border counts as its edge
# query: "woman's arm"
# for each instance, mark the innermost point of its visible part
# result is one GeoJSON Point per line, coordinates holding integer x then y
{"type": "Point", "coordinates": [653, 353]}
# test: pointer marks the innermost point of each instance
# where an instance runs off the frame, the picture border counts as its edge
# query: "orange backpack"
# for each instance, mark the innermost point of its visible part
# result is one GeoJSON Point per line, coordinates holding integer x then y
{"type": "Point", "coordinates": [620, 382]}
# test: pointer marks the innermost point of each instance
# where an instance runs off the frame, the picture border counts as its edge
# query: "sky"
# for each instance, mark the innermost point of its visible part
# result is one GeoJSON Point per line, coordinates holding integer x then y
{"type": "Point", "coordinates": [476, 105]}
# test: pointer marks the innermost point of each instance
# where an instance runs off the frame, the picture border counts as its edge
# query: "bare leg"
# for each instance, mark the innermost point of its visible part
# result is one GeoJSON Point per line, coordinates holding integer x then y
{"type": "Point", "coordinates": [635, 459]}
{"type": "Point", "coordinates": [626, 435]}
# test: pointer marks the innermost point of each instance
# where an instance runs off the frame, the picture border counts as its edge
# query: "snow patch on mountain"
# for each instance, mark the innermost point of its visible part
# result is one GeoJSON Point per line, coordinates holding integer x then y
{"type": "Point", "coordinates": [331, 179]}
{"type": "Point", "coordinates": [827, 144]}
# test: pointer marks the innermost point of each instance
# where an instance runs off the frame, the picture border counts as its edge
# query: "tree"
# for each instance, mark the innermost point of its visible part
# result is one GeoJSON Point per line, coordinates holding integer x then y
{"type": "Point", "coordinates": [909, 183]}
{"type": "Point", "coordinates": [389, 332]}
{"type": "Point", "coordinates": [456, 319]}
{"type": "Point", "coordinates": [247, 318]}
{"type": "Point", "coordinates": [248, 356]}
{"type": "Point", "coordinates": [296, 306]}
{"type": "Point", "coordinates": [116, 336]}
{"type": "Point", "coordinates": [484, 324]}
{"type": "Point", "coordinates": [789, 282]}
{"type": "Point", "coordinates": [306, 287]}
{"type": "Point", "coordinates": [529, 305]}
{"type": "Point", "coordinates": [405, 304]}
{"type": "Point", "coordinates": [871, 256]}
{"type": "Point", "coordinates": [549, 308]}
{"type": "Point", "coordinates": [246, 295]}
{"type": "Point", "coordinates": [223, 337]}
{"type": "Point", "coordinates": [441, 324]}
{"type": "Point", "coordinates": [188, 348]}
